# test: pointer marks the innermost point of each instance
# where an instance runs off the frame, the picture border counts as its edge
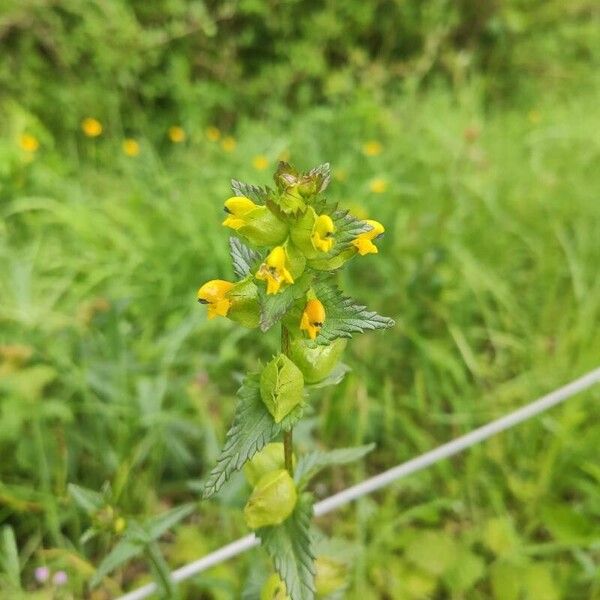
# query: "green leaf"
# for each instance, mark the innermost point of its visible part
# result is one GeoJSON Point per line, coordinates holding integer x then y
{"type": "Point", "coordinates": [89, 501]}
{"type": "Point", "coordinates": [156, 526]}
{"type": "Point", "coordinates": [310, 464]}
{"type": "Point", "coordinates": [343, 317]}
{"type": "Point", "coordinates": [9, 557]}
{"type": "Point", "coordinates": [243, 258]}
{"type": "Point", "coordinates": [124, 551]}
{"type": "Point", "coordinates": [252, 429]}
{"type": "Point", "coordinates": [255, 193]}
{"type": "Point", "coordinates": [433, 552]}
{"type": "Point", "coordinates": [290, 547]}
{"type": "Point", "coordinates": [467, 570]}
{"type": "Point", "coordinates": [334, 378]}
{"type": "Point", "coordinates": [281, 386]}
{"type": "Point", "coordinates": [274, 306]}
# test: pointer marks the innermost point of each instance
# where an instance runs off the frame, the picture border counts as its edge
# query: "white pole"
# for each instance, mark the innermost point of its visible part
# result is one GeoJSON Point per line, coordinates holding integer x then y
{"type": "Point", "coordinates": [378, 481]}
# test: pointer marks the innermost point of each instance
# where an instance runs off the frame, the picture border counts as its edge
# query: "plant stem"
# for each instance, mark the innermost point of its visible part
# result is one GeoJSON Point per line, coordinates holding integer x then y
{"type": "Point", "coordinates": [288, 444]}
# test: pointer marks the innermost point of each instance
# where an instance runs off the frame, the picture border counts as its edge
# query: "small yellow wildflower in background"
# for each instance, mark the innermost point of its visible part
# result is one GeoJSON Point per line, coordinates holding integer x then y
{"type": "Point", "coordinates": [213, 134]}
{"type": "Point", "coordinates": [131, 147]}
{"type": "Point", "coordinates": [228, 144]}
{"type": "Point", "coordinates": [176, 134]}
{"type": "Point", "coordinates": [91, 127]}
{"type": "Point", "coordinates": [372, 148]}
{"type": "Point", "coordinates": [260, 162]}
{"type": "Point", "coordinates": [29, 143]}
{"type": "Point", "coordinates": [534, 116]}
{"type": "Point", "coordinates": [378, 185]}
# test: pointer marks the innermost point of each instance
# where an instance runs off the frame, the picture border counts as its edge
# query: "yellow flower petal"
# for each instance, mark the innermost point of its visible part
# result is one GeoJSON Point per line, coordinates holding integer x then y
{"type": "Point", "coordinates": [29, 143]}
{"type": "Point", "coordinates": [176, 134]}
{"type": "Point", "coordinates": [131, 147]}
{"type": "Point", "coordinates": [91, 127]}
{"type": "Point", "coordinates": [372, 148]}
{"type": "Point", "coordinates": [213, 134]}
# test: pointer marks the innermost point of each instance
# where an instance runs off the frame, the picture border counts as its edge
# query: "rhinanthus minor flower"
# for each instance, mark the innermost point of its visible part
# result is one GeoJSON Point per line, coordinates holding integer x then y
{"type": "Point", "coordinates": [228, 144]}
{"type": "Point", "coordinates": [364, 241]}
{"type": "Point", "coordinates": [214, 294]}
{"type": "Point", "coordinates": [372, 148]}
{"type": "Point", "coordinates": [378, 185]}
{"type": "Point", "coordinates": [260, 162]}
{"type": "Point", "coordinates": [91, 127]}
{"type": "Point", "coordinates": [275, 270]}
{"type": "Point", "coordinates": [313, 318]}
{"type": "Point", "coordinates": [237, 208]}
{"type": "Point", "coordinates": [322, 236]}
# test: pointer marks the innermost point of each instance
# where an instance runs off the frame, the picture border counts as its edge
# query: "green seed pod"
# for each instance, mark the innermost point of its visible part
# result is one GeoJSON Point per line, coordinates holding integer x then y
{"type": "Point", "coordinates": [270, 458]}
{"type": "Point", "coordinates": [244, 307]}
{"type": "Point", "coordinates": [315, 362]}
{"type": "Point", "coordinates": [281, 386]}
{"type": "Point", "coordinates": [274, 589]}
{"type": "Point", "coordinates": [296, 259]}
{"type": "Point", "coordinates": [272, 500]}
{"type": "Point", "coordinates": [330, 575]}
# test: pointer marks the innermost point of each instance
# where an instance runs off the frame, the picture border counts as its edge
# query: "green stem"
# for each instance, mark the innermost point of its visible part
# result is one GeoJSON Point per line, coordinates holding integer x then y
{"type": "Point", "coordinates": [288, 443]}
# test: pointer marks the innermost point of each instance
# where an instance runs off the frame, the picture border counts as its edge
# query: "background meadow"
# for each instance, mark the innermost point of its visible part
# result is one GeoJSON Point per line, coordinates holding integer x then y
{"type": "Point", "coordinates": [469, 129]}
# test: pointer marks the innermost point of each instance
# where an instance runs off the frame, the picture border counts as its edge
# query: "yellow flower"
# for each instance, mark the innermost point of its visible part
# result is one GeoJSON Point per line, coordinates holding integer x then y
{"type": "Point", "coordinates": [313, 318]}
{"type": "Point", "coordinates": [91, 127]}
{"type": "Point", "coordinates": [214, 294]}
{"type": "Point", "coordinates": [364, 241]}
{"type": "Point", "coordinates": [29, 143]}
{"type": "Point", "coordinates": [228, 144]}
{"type": "Point", "coordinates": [213, 134]}
{"type": "Point", "coordinates": [131, 147]}
{"type": "Point", "coordinates": [378, 185]}
{"type": "Point", "coordinates": [176, 134]}
{"type": "Point", "coordinates": [237, 208]}
{"type": "Point", "coordinates": [275, 270]}
{"type": "Point", "coordinates": [372, 148]}
{"type": "Point", "coordinates": [260, 162]}
{"type": "Point", "coordinates": [322, 235]}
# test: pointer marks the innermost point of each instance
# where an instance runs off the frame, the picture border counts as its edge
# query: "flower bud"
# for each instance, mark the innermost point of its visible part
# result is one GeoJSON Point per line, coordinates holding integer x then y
{"type": "Point", "coordinates": [255, 223]}
{"type": "Point", "coordinates": [274, 589]}
{"type": "Point", "coordinates": [315, 362]}
{"type": "Point", "coordinates": [272, 501]}
{"type": "Point", "coordinates": [330, 575]}
{"type": "Point", "coordinates": [281, 386]}
{"type": "Point", "coordinates": [270, 458]}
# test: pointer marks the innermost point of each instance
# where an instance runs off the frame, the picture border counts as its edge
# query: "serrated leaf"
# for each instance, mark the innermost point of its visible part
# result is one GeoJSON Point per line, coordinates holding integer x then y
{"type": "Point", "coordinates": [256, 193]}
{"type": "Point", "coordinates": [310, 464]}
{"type": "Point", "coordinates": [324, 173]}
{"type": "Point", "coordinates": [274, 306]}
{"type": "Point", "coordinates": [243, 258]}
{"type": "Point", "coordinates": [290, 547]}
{"type": "Point", "coordinates": [343, 317]}
{"type": "Point", "coordinates": [252, 429]}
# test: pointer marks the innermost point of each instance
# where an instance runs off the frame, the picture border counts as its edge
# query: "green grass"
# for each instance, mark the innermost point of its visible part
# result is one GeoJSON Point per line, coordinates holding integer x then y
{"type": "Point", "coordinates": [489, 266]}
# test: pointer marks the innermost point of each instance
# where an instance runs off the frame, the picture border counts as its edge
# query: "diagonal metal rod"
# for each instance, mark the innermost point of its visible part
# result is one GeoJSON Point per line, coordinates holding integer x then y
{"type": "Point", "coordinates": [383, 479]}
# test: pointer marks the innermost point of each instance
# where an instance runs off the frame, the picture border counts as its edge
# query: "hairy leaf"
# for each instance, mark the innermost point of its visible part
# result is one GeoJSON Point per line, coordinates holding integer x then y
{"type": "Point", "coordinates": [290, 547]}
{"type": "Point", "coordinates": [274, 306]}
{"type": "Point", "coordinates": [243, 258]}
{"type": "Point", "coordinates": [343, 317]}
{"type": "Point", "coordinates": [347, 228]}
{"type": "Point", "coordinates": [252, 429]}
{"type": "Point", "coordinates": [324, 176]}
{"type": "Point", "coordinates": [255, 193]}
{"type": "Point", "coordinates": [310, 464]}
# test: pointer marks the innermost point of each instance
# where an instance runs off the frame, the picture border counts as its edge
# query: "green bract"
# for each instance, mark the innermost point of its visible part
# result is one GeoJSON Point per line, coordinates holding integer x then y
{"type": "Point", "coordinates": [270, 458]}
{"type": "Point", "coordinates": [244, 303]}
{"type": "Point", "coordinates": [315, 362]}
{"type": "Point", "coordinates": [272, 500]}
{"type": "Point", "coordinates": [281, 386]}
